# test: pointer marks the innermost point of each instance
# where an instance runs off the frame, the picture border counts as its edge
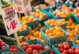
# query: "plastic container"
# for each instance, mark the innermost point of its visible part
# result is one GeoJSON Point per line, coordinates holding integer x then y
{"type": "Point", "coordinates": [52, 41]}
{"type": "Point", "coordinates": [20, 33]}
{"type": "Point", "coordinates": [47, 9]}
{"type": "Point", "coordinates": [61, 4]}
{"type": "Point", "coordinates": [45, 12]}
{"type": "Point", "coordinates": [36, 41]}
{"type": "Point", "coordinates": [33, 24]}
{"type": "Point", "coordinates": [24, 32]}
{"type": "Point", "coordinates": [62, 26]}
{"type": "Point", "coordinates": [66, 18]}
{"type": "Point", "coordinates": [9, 52]}
{"type": "Point", "coordinates": [75, 18]}
{"type": "Point", "coordinates": [77, 37]}
{"type": "Point", "coordinates": [3, 50]}
{"type": "Point", "coordinates": [55, 46]}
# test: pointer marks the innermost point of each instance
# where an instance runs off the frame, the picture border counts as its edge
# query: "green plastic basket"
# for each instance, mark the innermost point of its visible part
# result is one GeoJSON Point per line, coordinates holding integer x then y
{"type": "Point", "coordinates": [61, 4]}
{"type": "Point", "coordinates": [45, 12]}
{"type": "Point", "coordinates": [62, 26]}
{"type": "Point", "coordinates": [3, 50]}
{"type": "Point", "coordinates": [47, 9]}
{"type": "Point", "coordinates": [33, 24]}
{"type": "Point", "coordinates": [77, 37]}
{"type": "Point", "coordinates": [52, 41]}
{"type": "Point", "coordinates": [20, 33]}
{"type": "Point", "coordinates": [9, 52]}
{"type": "Point", "coordinates": [54, 17]}
{"type": "Point", "coordinates": [36, 41]}
{"type": "Point", "coordinates": [24, 32]}
{"type": "Point", "coordinates": [55, 46]}
{"type": "Point", "coordinates": [75, 18]}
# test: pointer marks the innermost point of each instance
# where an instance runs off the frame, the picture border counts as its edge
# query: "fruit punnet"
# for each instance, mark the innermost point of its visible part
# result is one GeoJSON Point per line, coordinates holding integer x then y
{"type": "Point", "coordinates": [76, 12]}
{"type": "Point", "coordinates": [51, 51]}
{"type": "Point", "coordinates": [65, 48]}
{"type": "Point", "coordinates": [62, 11]}
{"type": "Point", "coordinates": [2, 45]}
{"type": "Point", "coordinates": [73, 33]}
{"type": "Point", "coordinates": [54, 32]}
{"type": "Point", "coordinates": [24, 20]}
{"type": "Point", "coordinates": [13, 48]}
{"type": "Point", "coordinates": [34, 48]}
{"type": "Point", "coordinates": [27, 19]}
{"type": "Point", "coordinates": [77, 42]}
{"type": "Point", "coordinates": [72, 25]}
{"type": "Point", "coordinates": [38, 27]}
{"type": "Point", "coordinates": [53, 22]}
{"type": "Point", "coordinates": [34, 35]}
{"type": "Point", "coordinates": [38, 14]}
{"type": "Point", "coordinates": [24, 27]}
{"type": "Point", "coordinates": [64, 7]}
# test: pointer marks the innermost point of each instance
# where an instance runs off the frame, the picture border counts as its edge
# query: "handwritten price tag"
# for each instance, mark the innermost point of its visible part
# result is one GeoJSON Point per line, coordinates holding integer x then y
{"type": "Point", "coordinates": [22, 5]}
{"type": "Point", "coordinates": [10, 18]}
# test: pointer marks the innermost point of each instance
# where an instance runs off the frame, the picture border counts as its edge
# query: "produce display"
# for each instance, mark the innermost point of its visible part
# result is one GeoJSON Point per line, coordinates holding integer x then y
{"type": "Point", "coordinates": [33, 48]}
{"type": "Point", "coordinates": [34, 35]}
{"type": "Point", "coordinates": [43, 31]}
{"type": "Point", "coordinates": [24, 27]}
{"type": "Point", "coordinates": [38, 14]}
{"type": "Point", "coordinates": [27, 19]}
{"type": "Point", "coordinates": [62, 11]}
{"type": "Point", "coordinates": [13, 48]}
{"type": "Point", "coordinates": [53, 22]}
{"type": "Point", "coordinates": [65, 48]}
{"type": "Point", "coordinates": [73, 32]}
{"type": "Point", "coordinates": [77, 42]}
{"type": "Point", "coordinates": [71, 24]}
{"type": "Point", "coordinates": [51, 51]}
{"type": "Point", "coordinates": [54, 32]}
{"type": "Point", "coordinates": [76, 12]}
{"type": "Point", "coordinates": [2, 45]}
{"type": "Point", "coordinates": [72, 35]}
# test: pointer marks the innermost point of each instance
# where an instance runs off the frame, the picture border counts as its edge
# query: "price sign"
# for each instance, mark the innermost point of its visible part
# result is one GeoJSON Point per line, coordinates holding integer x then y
{"type": "Point", "coordinates": [10, 18]}
{"type": "Point", "coordinates": [27, 6]}
{"type": "Point", "coordinates": [22, 6]}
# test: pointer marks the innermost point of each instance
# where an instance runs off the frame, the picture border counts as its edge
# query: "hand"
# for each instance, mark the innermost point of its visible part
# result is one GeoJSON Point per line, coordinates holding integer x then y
{"type": "Point", "coordinates": [47, 1]}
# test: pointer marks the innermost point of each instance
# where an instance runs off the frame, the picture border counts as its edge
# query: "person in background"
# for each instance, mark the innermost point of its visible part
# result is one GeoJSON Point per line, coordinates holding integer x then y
{"type": "Point", "coordinates": [72, 2]}
{"type": "Point", "coordinates": [77, 3]}
{"type": "Point", "coordinates": [51, 3]}
{"type": "Point", "coordinates": [59, 1]}
{"type": "Point", "coordinates": [69, 2]}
